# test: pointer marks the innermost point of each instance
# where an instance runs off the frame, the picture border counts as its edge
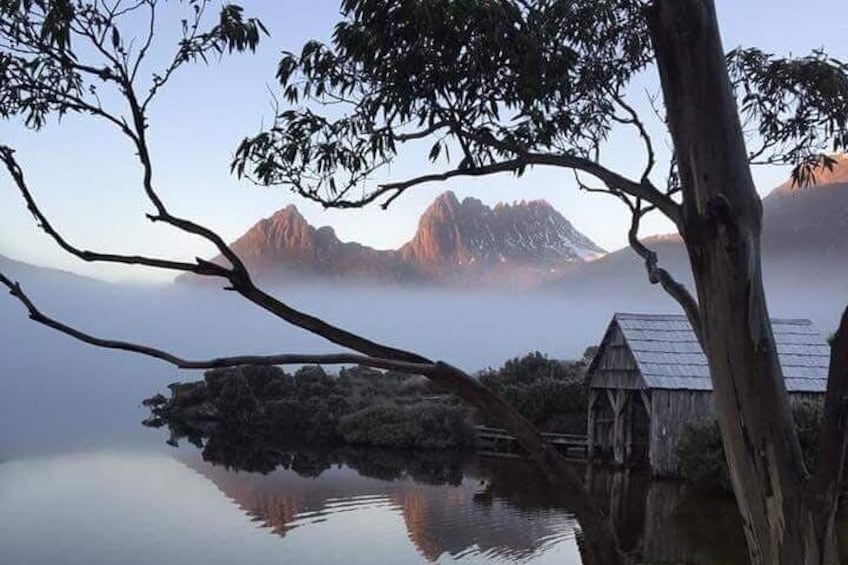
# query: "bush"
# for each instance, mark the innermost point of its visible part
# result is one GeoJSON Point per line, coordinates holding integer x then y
{"type": "Point", "coordinates": [701, 456]}
{"type": "Point", "coordinates": [425, 425]}
{"type": "Point", "coordinates": [701, 452]}
{"type": "Point", "coordinates": [365, 406]}
{"type": "Point", "coordinates": [551, 394]}
{"type": "Point", "coordinates": [361, 406]}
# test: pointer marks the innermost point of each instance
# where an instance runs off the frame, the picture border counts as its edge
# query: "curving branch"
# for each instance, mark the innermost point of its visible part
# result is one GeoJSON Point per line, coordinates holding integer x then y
{"type": "Point", "coordinates": [634, 120]}
{"type": "Point", "coordinates": [658, 275]}
{"type": "Point", "coordinates": [201, 267]}
{"type": "Point", "coordinates": [239, 270]}
{"type": "Point", "coordinates": [643, 190]}
{"type": "Point", "coordinates": [36, 315]}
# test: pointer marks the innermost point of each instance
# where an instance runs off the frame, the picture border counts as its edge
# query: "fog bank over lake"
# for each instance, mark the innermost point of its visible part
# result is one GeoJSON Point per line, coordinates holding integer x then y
{"type": "Point", "coordinates": [58, 394]}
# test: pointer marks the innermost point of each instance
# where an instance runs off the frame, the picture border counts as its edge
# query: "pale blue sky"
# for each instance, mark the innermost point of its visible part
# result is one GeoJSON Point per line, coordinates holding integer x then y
{"type": "Point", "coordinates": [86, 178]}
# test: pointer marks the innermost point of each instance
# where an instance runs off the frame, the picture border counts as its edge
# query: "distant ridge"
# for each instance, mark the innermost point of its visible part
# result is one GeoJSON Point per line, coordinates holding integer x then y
{"type": "Point", "coordinates": [458, 243]}
{"type": "Point", "coordinates": [805, 237]}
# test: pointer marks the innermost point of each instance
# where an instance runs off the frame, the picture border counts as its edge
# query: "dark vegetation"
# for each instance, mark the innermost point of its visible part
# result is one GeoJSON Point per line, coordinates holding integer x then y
{"type": "Point", "coordinates": [360, 406]}
{"type": "Point", "coordinates": [701, 453]}
{"type": "Point", "coordinates": [550, 393]}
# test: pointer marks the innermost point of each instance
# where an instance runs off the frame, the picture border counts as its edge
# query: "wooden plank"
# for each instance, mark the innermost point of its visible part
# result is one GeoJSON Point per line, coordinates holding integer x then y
{"type": "Point", "coordinates": [498, 441]}
{"type": "Point", "coordinates": [646, 400]}
{"type": "Point", "coordinates": [618, 447]}
{"type": "Point", "coordinates": [628, 430]}
{"type": "Point", "coordinates": [672, 411]}
{"type": "Point", "coordinates": [590, 425]}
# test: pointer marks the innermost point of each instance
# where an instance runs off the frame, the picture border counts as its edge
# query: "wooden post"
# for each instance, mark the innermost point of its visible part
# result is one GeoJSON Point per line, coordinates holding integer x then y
{"type": "Point", "coordinates": [648, 402]}
{"type": "Point", "coordinates": [590, 425]}
{"type": "Point", "coordinates": [618, 399]}
{"type": "Point", "coordinates": [628, 428]}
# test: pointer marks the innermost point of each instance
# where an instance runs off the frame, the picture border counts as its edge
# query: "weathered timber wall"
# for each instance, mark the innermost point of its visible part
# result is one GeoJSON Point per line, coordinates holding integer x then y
{"type": "Point", "coordinates": [672, 411]}
{"type": "Point", "coordinates": [616, 367]}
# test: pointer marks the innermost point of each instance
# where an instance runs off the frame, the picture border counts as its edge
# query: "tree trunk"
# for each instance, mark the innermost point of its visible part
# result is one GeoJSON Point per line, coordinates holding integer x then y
{"type": "Point", "coordinates": [721, 227]}
{"type": "Point", "coordinates": [833, 445]}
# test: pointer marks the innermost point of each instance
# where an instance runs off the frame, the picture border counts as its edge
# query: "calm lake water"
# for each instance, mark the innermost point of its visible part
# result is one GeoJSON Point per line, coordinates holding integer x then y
{"type": "Point", "coordinates": [350, 506]}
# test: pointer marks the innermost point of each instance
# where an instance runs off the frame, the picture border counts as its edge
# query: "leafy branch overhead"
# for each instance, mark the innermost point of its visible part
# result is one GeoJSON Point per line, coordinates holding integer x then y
{"type": "Point", "coordinates": [798, 108]}
{"type": "Point", "coordinates": [485, 81]}
{"type": "Point", "coordinates": [42, 43]}
{"type": "Point", "coordinates": [490, 84]}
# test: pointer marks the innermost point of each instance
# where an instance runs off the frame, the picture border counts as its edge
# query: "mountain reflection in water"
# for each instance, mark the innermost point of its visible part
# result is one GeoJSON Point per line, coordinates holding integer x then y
{"type": "Point", "coordinates": [350, 506]}
{"type": "Point", "coordinates": [451, 508]}
{"type": "Point", "coordinates": [459, 507]}
{"type": "Point", "coordinates": [479, 510]}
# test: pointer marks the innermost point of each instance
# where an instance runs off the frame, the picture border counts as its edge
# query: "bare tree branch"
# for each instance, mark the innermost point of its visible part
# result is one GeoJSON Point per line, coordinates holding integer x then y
{"type": "Point", "coordinates": [321, 328]}
{"type": "Point", "coordinates": [140, 140]}
{"type": "Point", "coordinates": [658, 275]}
{"type": "Point", "coordinates": [36, 315]}
{"type": "Point", "coordinates": [200, 267]}
{"type": "Point", "coordinates": [643, 190]}
{"type": "Point", "coordinates": [148, 41]}
{"type": "Point", "coordinates": [633, 119]}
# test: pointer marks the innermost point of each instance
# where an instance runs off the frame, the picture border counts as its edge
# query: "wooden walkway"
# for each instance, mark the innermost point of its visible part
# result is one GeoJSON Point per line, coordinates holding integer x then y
{"type": "Point", "coordinates": [496, 442]}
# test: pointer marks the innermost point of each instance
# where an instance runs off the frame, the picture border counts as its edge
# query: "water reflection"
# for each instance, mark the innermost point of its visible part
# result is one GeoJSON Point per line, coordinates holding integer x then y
{"type": "Point", "coordinates": [661, 522]}
{"type": "Point", "coordinates": [351, 506]}
{"type": "Point", "coordinates": [457, 507]}
{"type": "Point", "coordinates": [452, 508]}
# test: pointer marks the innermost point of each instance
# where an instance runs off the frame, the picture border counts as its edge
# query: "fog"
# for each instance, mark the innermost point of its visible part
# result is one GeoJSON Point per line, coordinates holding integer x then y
{"type": "Point", "coordinates": [57, 394]}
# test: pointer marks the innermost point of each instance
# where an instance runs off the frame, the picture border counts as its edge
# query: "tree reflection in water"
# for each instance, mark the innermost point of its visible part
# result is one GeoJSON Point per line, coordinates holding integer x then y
{"type": "Point", "coordinates": [456, 504]}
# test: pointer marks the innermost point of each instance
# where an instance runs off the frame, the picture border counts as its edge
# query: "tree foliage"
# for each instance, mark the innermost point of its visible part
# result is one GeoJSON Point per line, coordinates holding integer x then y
{"type": "Point", "coordinates": [56, 56]}
{"type": "Point", "coordinates": [496, 86]}
{"type": "Point", "coordinates": [798, 107]}
{"type": "Point", "coordinates": [310, 407]}
{"type": "Point", "coordinates": [485, 79]}
{"type": "Point", "coordinates": [552, 394]}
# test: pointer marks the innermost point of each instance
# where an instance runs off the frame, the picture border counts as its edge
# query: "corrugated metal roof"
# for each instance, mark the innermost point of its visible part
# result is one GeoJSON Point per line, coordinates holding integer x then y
{"type": "Point", "coordinates": [669, 356]}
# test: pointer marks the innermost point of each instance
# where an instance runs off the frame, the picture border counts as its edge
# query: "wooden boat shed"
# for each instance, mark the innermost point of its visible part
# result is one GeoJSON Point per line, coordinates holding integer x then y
{"type": "Point", "coordinates": [650, 379]}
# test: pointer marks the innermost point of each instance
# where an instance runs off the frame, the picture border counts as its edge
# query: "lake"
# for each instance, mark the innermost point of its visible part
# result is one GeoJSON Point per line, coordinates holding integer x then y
{"type": "Point", "coordinates": [184, 506]}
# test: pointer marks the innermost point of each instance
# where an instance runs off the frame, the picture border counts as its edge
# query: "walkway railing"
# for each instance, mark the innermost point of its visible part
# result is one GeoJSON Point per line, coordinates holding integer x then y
{"type": "Point", "coordinates": [498, 442]}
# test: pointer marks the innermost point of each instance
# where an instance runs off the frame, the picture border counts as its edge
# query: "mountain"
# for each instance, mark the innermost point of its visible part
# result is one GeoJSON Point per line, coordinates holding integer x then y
{"type": "Point", "coordinates": [286, 247]}
{"type": "Point", "coordinates": [804, 223]}
{"type": "Point", "coordinates": [34, 277]}
{"type": "Point", "coordinates": [457, 244]}
{"type": "Point", "coordinates": [804, 244]}
{"type": "Point", "coordinates": [468, 240]}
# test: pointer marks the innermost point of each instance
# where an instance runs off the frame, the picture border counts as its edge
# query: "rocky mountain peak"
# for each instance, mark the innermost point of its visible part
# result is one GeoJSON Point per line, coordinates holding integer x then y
{"type": "Point", "coordinates": [457, 243]}
{"type": "Point", "coordinates": [451, 233]}
{"type": "Point", "coordinates": [445, 201]}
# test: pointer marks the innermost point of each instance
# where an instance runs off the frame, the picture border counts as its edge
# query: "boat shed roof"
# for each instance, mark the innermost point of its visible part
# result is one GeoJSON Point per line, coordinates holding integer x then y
{"type": "Point", "coordinates": [668, 355]}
